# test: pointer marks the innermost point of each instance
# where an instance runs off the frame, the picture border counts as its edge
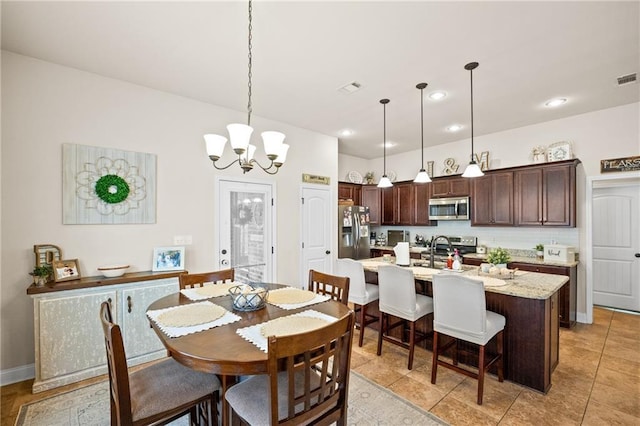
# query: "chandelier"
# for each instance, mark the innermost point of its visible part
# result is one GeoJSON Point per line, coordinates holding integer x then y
{"type": "Point", "coordinates": [240, 136]}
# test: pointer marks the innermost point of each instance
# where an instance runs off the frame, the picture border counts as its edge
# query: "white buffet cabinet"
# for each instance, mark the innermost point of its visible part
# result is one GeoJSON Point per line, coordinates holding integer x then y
{"type": "Point", "coordinates": [69, 342]}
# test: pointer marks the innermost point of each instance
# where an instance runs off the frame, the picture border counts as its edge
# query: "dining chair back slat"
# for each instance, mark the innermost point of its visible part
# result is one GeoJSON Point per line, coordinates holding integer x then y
{"type": "Point", "coordinates": [198, 280]}
{"type": "Point", "coordinates": [147, 396]}
{"type": "Point", "coordinates": [330, 285]}
{"type": "Point", "coordinates": [312, 389]}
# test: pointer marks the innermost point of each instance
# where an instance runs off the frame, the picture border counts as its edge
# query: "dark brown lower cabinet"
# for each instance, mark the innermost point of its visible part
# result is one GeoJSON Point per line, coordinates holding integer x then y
{"type": "Point", "coordinates": [567, 295]}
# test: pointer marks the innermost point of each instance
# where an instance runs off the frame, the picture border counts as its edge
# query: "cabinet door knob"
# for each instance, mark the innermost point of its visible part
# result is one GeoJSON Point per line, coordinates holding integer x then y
{"type": "Point", "coordinates": [637, 255]}
{"type": "Point", "coordinates": [327, 252]}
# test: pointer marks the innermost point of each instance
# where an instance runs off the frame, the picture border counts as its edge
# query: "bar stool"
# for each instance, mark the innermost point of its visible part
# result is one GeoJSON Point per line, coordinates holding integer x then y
{"type": "Point", "coordinates": [398, 298]}
{"type": "Point", "coordinates": [460, 312]}
{"type": "Point", "coordinates": [361, 293]}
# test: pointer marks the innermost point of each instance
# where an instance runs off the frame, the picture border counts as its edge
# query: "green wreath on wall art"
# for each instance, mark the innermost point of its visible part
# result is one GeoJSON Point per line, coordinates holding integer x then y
{"type": "Point", "coordinates": [112, 189]}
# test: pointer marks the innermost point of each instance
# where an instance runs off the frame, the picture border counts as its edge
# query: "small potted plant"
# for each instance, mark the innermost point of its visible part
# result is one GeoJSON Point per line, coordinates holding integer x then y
{"type": "Point", "coordinates": [498, 257]}
{"type": "Point", "coordinates": [41, 274]}
{"type": "Point", "coordinates": [540, 251]}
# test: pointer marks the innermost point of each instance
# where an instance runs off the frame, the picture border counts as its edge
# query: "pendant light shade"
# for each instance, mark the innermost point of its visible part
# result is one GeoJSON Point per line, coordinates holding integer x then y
{"type": "Point", "coordinates": [422, 176]}
{"type": "Point", "coordinates": [385, 182]}
{"type": "Point", "coordinates": [472, 170]}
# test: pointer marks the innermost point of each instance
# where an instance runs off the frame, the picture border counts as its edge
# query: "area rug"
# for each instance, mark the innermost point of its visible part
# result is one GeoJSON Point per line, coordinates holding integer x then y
{"type": "Point", "coordinates": [369, 404]}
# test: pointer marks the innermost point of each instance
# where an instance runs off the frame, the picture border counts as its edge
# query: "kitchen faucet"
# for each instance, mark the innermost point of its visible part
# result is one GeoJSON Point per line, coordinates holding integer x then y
{"type": "Point", "coordinates": [432, 251]}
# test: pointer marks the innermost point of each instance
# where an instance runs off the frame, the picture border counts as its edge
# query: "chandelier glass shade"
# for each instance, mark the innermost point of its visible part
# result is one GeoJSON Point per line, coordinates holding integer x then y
{"type": "Point", "coordinates": [240, 136]}
{"type": "Point", "coordinates": [472, 170]}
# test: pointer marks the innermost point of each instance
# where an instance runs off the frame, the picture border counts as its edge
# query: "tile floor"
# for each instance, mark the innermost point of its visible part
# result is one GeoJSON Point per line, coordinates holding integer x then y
{"type": "Point", "coordinates": [597, 381]}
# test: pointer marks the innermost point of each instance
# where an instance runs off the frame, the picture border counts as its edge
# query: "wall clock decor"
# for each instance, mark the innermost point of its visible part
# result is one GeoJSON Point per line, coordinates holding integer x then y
{"type": "Point", "coordinates": [559, 151]}
{"type": "Point", "coordinates": [107, 186]}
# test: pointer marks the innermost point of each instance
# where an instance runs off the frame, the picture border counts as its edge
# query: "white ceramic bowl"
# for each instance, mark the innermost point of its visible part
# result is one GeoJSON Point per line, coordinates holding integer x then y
{"type": "Point", "coordinates": [112, 271]}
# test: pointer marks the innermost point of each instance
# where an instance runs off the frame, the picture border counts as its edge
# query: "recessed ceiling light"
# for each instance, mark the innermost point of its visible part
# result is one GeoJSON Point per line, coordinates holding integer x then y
{"type": "Point", "coordinates": [346, 132]}
{"type": "Point", "coordinates": [436, 96]}
{"type": "Point", "coordinates": [454, 127]}
{"type": "Point", "coordinates": [555, 102]}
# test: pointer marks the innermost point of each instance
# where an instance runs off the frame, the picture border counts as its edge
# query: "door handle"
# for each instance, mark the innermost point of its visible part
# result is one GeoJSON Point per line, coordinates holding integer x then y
{"type": "Point", "coordinates": [327, 252]}
{"type": "Point", "coordinates": [637, 255]}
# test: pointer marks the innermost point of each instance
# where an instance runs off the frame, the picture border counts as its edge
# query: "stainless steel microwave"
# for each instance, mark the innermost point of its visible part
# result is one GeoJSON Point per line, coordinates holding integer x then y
{"type": "Point", "coordinates": [452, 208]}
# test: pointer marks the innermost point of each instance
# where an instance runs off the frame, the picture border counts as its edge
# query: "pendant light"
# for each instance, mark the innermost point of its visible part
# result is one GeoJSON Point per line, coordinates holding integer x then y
{"type": "Point", "coordinates": [240, 135]}
{"type": "Point", "coordinates": [472, 170]}
{"type": "Point", "coordinates": [422, 176]}
{"type": "Point", "coordinates": [384, 180]}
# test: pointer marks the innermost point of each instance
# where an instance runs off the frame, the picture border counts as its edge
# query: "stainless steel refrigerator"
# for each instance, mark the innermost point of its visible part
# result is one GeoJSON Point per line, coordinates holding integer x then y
{"type": "Point", "coordinates": [353, 232]}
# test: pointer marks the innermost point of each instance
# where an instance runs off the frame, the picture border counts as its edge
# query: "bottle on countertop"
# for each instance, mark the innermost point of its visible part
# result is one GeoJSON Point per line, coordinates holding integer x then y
{"type": "Point", "coordinates": [449, 262]}
{"type": "Point", "coordinates": [457, 264]}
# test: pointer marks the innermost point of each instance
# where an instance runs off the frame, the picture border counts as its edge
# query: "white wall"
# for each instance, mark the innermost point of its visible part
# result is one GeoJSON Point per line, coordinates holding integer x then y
{"type": "Point", "coordinates": [595, 136]}
{"type": "Point", "coordinates": [45, 105]}
{"type": "Point", "coordinates": [598, 135]}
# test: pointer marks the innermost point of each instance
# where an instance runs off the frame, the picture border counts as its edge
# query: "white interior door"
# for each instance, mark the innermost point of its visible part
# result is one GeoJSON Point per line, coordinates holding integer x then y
{"type": "Point", "coordinates": [245, 229]}
{"type": "Point", "coordinates": [616, 247]}
{"type": "Point", "coordinates": [317, 230]}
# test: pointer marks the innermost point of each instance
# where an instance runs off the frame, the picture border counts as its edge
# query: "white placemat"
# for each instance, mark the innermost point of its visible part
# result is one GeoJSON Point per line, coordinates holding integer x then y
{"type": "Point", "coordinates": [319, 298]}
{"type": "Point", "coordinates": [194, 293]}
{"type": "Point", "coordinates": [253, 334]}
{"type": "Point", "coordinates": [227, 318]}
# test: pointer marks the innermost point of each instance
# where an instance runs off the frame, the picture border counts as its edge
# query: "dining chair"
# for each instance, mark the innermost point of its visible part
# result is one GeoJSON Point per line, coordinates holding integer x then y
{"type": "Point", "coordinates": [198, 280]}
{"type": "Point", "coordinates": [398, 298]}
{"type": "Point", "coordinates": [313, 387]}
{"type": "Point", "coordinates": [330, 285]}
{"type": "Point", "coordinates": [361, 293]}
{"type": "Point", "coordinates": [460, 312]}
{"type": "Point", "coordinates": [158, 393]}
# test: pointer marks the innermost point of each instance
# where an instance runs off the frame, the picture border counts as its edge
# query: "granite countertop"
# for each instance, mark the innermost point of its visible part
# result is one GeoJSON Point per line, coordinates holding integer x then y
{"type": "Point", "coordinates": [523, 259]}
{"type": "Point", "coordinates": [529, 285]}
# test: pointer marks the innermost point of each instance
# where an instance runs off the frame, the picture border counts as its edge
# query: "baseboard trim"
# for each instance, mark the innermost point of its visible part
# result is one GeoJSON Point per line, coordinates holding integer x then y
{"type": "Point", "coordinates": [581, 317]}
{"type": "Point", "coordinates": [17, 374]}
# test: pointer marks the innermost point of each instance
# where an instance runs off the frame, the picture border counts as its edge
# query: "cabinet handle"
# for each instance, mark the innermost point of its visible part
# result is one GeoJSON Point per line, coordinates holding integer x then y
{"type": "Point", "coordinates": [129, 304]}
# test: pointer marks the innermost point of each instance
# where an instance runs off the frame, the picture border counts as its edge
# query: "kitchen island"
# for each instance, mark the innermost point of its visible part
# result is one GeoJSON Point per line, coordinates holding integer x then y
{"type": "Point", "coordinates": [529, 302]}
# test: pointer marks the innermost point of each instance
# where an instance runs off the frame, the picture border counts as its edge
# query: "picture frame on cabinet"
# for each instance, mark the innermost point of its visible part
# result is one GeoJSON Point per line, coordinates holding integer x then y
{"type": "Point", "coordinates": [168, 259]}
{"type": "Point", "coordinates": [65, 270]}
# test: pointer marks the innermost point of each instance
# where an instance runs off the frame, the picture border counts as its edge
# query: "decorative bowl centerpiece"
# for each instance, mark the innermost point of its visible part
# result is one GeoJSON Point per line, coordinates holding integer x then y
{"type": "Point", "coordinates": [112, 271]}
{"type": "Point", "coordinates": [247, 297]}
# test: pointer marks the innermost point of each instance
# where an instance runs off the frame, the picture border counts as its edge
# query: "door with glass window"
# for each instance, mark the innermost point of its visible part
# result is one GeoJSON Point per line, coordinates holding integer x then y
{"type": "Point", "coordinates": [245, 221]}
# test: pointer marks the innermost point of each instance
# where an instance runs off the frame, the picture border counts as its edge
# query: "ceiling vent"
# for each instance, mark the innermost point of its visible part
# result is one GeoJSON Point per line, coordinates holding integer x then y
{"type": "Point", "coordinates": [350, 88]}
{"type": "Point", "coordinates": [626, 79]}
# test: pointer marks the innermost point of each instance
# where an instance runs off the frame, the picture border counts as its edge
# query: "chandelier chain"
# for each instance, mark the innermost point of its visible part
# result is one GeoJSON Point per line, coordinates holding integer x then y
{"type": "Point", "coordinates": [249, 106]}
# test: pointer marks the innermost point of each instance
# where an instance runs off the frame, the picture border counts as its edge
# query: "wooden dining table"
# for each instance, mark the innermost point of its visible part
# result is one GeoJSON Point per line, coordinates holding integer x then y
{"type": "Point", "coordinates": [220, 350]}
